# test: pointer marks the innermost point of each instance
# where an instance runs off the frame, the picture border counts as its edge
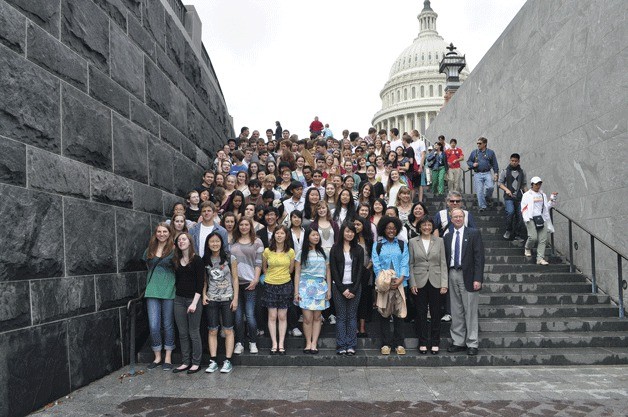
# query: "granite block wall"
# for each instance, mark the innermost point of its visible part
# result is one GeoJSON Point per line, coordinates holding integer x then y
{"type": "Point", "coordinates": [108, 114]}
{"type": "Point", "coordinates": [553, 88]}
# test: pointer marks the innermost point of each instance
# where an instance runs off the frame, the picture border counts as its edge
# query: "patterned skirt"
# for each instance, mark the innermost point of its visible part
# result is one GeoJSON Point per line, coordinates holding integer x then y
{"type": "Point", "coordinates": [312, 293]}
{"type": "Point", "coordinates": [278, 296]}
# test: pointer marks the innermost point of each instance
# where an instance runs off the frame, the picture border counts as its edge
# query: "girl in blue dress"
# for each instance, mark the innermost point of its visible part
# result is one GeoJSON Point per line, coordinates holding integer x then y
{"type": "Point", "coordinates": [312, 283]}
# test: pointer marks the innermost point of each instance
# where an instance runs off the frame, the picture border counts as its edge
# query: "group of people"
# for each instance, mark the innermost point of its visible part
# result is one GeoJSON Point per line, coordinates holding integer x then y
{"type": "Point", "coordinates": [324, 229]}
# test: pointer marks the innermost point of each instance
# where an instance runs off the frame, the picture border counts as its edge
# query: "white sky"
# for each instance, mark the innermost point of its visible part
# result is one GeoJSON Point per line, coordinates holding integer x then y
{"type": "Point", "coordinates": [291, 60]}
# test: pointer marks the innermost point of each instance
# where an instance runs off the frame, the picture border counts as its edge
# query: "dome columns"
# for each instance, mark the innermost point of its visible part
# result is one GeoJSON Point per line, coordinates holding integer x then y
{"type": "Point", "coordinates": [406, 122]}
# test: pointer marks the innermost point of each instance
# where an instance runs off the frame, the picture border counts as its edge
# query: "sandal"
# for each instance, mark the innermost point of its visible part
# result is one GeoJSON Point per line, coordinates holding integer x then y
{"type": "Point", "coordinates": [273, 351]}
{"type": "Point", "coordinates": [435, 350]}
{"type": "Point", "coordinates": [423, 350]}
{"type": "Point", "coordinates": [282, 351]}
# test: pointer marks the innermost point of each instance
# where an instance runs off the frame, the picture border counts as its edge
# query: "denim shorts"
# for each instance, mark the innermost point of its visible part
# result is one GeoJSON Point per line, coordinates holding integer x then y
{"type": "Point", "coordinates": [217, 310]}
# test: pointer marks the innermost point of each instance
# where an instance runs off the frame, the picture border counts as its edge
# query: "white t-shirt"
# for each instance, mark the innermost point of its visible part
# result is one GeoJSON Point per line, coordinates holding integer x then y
{"type": "Point", "coordinates": [202, 237]}
{"type": "Point", "coordinates": [346, 277]}
{"type": "Point", "coordinates": [396, 144]}
{"type": "Point", "coordinates": [419, 146]}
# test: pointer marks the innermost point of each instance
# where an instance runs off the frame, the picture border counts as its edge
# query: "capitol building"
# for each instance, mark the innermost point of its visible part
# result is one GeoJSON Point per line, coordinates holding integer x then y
{"type": "Point", "coordinates": [414, 92]}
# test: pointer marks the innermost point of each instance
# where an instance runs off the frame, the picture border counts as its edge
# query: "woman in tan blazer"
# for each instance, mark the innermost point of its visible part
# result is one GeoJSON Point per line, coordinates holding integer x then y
{"type": "Point", "coordinates": [428, 280]}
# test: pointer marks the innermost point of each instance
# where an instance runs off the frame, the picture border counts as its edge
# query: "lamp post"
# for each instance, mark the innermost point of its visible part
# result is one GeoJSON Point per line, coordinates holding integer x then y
{"type": "Point", "coordinates": [451, 65]}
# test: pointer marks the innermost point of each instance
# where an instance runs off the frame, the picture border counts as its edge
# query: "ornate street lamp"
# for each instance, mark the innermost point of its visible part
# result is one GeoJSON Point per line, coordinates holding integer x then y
{"type": "Point", "coordinates": [451, 65]}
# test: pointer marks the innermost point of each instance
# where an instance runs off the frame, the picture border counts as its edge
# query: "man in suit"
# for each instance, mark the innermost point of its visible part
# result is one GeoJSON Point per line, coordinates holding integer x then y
{"type": "Point", "coordinates": [465, 257]}
{"type": "Point", "coordinates": [271, 214]}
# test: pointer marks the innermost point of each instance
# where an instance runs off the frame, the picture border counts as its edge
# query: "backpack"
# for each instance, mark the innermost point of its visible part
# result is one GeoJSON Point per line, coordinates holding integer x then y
{"type": "Point", "coordinates": [378, 248]}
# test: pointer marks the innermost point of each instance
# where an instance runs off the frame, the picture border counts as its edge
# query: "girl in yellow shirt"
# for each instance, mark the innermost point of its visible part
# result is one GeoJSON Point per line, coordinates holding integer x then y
{"type": "Point", "coordinates": [278, 264]}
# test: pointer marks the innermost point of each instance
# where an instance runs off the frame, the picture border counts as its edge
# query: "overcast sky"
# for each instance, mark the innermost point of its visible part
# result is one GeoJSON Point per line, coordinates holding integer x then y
{"type": "Point", "coordinates": [290, 60]}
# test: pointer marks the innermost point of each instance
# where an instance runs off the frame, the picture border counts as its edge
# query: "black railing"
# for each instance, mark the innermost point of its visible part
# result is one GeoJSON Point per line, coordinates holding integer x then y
{"type": "Point", "coordinates": [572, 267]}
{"type": "Point", "coordinates": [131, 311]}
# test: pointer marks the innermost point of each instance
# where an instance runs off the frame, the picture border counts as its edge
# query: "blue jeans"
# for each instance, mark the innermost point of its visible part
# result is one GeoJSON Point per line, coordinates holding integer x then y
{"type": "Point", "coordinates": [161, 312]}
{"type": "Point", "coordinates": [246, 306]}
{"type": "Point", "coordinates": [483, 183]}
{"type": "Point", "coordinates": [513, 216]}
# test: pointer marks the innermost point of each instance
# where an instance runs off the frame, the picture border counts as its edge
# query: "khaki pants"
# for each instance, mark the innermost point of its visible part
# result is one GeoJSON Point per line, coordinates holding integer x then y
{"type": "Point", "coordinates": [453, 179]}
{"type": "Point", "coordinates": [538, 237]}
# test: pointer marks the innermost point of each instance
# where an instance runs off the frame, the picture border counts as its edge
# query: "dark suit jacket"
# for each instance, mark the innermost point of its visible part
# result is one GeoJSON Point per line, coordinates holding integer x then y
{"type": "Point", "coordinates": [263, 235]}
{"type": "Point", "coordinates": [472, 256]}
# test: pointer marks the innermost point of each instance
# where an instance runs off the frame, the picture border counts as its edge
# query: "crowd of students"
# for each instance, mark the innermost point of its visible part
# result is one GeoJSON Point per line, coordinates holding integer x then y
{"type": "Point", "coordinates": [311, 230]}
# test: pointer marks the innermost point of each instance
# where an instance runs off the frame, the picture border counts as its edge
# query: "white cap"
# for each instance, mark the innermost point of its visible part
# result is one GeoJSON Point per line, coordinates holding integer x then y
{"type": "Point", "coordinates": [535, 180]}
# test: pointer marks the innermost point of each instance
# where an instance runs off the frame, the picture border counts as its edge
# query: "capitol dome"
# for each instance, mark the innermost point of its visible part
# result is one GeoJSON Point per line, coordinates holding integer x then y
{"type": "Point", "coordinates": [414, 92]}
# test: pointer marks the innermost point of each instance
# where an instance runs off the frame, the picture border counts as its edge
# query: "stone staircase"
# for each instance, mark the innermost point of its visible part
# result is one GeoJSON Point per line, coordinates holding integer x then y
{"type": "Point", "coordinates": [529, 315]}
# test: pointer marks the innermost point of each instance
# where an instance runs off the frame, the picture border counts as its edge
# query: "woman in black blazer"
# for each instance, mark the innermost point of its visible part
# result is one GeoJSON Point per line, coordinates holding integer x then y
{"type": "Point", "coordinates": [428, 281]}
{"type": "Point", "coordinates": [347, 266]}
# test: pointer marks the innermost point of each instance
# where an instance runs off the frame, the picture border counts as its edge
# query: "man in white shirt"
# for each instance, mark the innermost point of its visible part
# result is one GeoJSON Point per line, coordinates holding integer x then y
{"type": "Point", "coordinates": [419, 160]}
{"type": "Point", "coordinates": [200, 231]}
{"type": "Point", "coordinates": [295, 202]}
{"type": "Point", "coordinates": [395, 140]}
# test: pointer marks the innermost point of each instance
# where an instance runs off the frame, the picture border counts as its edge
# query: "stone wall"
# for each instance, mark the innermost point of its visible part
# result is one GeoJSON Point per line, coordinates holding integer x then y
{"type": "Point", "coordinates": [553, 88]}
{"type": "Point", "coordinates": [108, 111]}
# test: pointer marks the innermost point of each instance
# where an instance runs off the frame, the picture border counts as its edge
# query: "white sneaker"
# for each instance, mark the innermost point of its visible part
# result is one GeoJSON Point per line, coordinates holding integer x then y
{"type": "Point", "coordinates": [213, 367]}
{"type": "Point", "coordinates": [332, 319]}
{"type": "Point", "coordinates": [238, 349]}
{"type": "Point", "coordinates": [253, 347]}
{"type": "Point", "coordinates": [446, 318]}
{"type": "Point", "coordinates": [296, 332]}
{"type": "Point", "coordinates": [226, 367]}
{"type": "Point", "coordinates": [527, 252]}
{"type": "Point", "coordinates": [542, 262]}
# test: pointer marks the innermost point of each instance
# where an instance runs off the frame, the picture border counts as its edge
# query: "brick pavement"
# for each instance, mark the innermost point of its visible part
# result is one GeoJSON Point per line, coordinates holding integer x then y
{"type": "Point", "coordinates": [322, 391]}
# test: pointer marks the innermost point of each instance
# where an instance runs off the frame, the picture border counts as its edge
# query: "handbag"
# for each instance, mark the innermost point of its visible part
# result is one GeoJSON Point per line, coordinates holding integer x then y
{"type": "Point", "coordinates": [539, 222]}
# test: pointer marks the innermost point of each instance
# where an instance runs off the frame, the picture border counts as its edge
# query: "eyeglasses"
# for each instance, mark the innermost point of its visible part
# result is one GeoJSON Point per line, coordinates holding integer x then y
{"type": "Point", "coordinates": [455, 201]}
{"type": "Point", "coordinates": [480, 143]}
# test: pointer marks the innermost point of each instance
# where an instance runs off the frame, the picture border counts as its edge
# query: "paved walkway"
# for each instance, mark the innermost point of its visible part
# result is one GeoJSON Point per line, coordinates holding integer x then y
{"type": "Point", "coordinates": [323, 391]}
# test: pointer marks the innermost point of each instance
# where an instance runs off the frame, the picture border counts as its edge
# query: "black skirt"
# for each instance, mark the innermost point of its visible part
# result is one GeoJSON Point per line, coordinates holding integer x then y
{"type": "Point", "coordinates": [278, 296]}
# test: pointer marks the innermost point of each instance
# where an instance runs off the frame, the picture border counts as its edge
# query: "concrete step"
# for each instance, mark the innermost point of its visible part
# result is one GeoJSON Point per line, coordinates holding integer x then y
{"type": "Point", "coordinates": [526, 268]}
{"type": "Point", "coordinates": [544, 288]}
{"type": "Point", "coordinates": [544, 311]}
{"type": "Point", "coordinates": [554, 277]}
{"type": "Point", "coordinates": [554, 324]}
{"type": "Point", "coordinates": [486, 357]}
{"type": "Point", "coordinates": [544, 299]}
{"type": "Point", "coordinates": [553, 340]}
{"type": "Point", "coordinates": [487, 340]}
{"type": "Point", "coordinates": [517, 258]}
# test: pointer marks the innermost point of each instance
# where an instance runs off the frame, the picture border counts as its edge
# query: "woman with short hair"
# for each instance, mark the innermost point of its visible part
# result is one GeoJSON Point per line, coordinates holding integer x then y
{"type": "Point", "coordinates": [391, 253]}
{"type": "Point", "coordinates": [428, 282]}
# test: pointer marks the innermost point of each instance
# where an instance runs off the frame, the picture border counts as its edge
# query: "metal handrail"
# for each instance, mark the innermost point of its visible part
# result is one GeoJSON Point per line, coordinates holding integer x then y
{"type": "Point", "coordinates": [593, 238]}
{"type": "Point", "coordinates": [130, 311]}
